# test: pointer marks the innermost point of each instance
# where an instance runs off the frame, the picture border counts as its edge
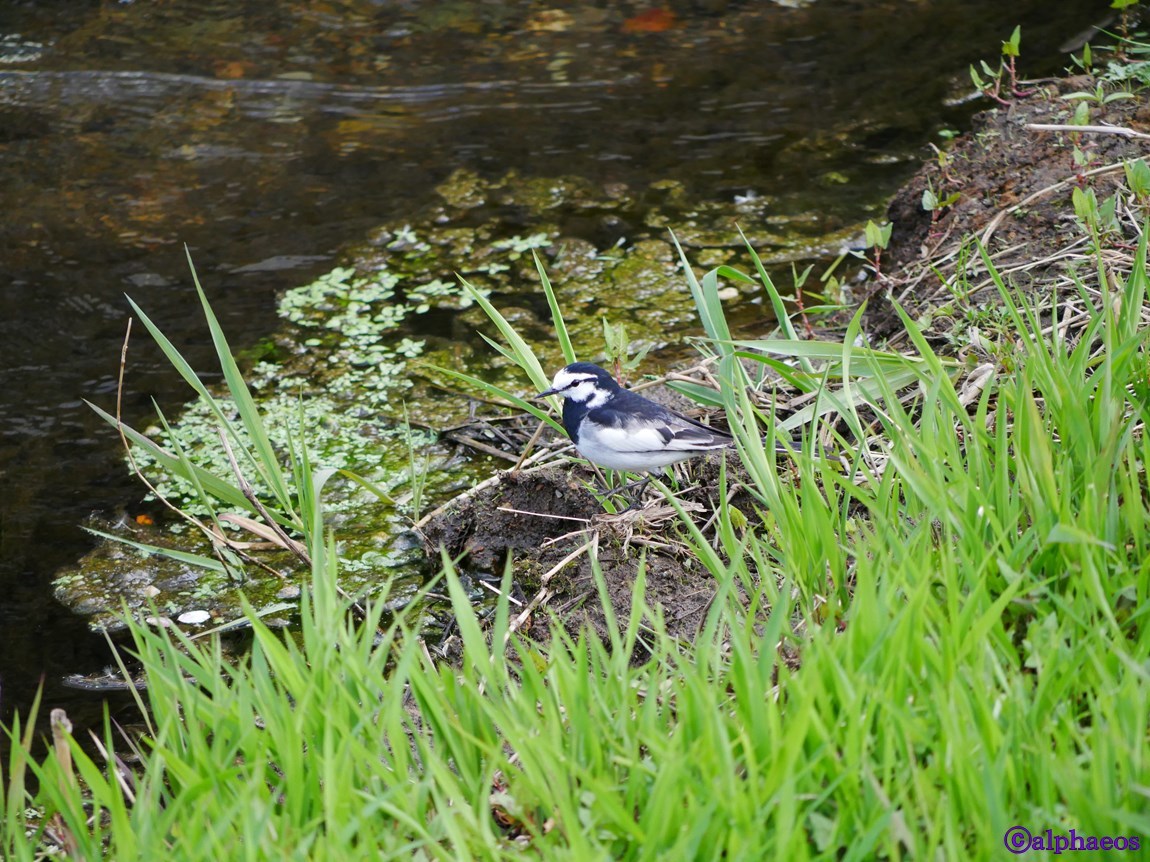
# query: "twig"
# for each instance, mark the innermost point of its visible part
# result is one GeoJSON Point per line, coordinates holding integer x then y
{"type": "Point", "coordinates": [976, 382]}
{"type": "Point", "coordinates": [483, 447]}
{"type": "Point", "coordinates": [542, 515]}
{"type": "Point", "coordinates": [488, 420]}
{"type": "Point", "coordinates": [117, 767]}
{"type": "Point", "coordinates": [545, 591]}
{"type": "Point", "coordinates": [530, 445]}
{"type": "Point", "coordinates": [1100, 130]}
{"type": "Point", "coordinates": [1029, 199]}
{"type": "Point", "coordinates": [497, 592]}
{"type": "Point", "coordinates": [555, 540]}
{"type": "Point", "coordinates": [286, 541]}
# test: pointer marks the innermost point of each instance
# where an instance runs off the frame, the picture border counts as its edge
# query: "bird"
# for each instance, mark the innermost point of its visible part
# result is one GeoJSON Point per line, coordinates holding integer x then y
{"type": "Point", "coordinates": [621, 430]}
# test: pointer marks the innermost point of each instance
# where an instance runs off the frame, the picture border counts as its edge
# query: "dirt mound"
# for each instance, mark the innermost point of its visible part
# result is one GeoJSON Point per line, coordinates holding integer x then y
{"type": "Point", "coordinates": [548, 521]}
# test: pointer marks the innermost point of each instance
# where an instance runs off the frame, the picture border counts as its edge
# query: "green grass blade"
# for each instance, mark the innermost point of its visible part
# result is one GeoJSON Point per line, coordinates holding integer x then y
{"type": "Point", "coordinates": [502, 394]}
{"type": "Point", "coordinates": [778, 305]}
{"type": "Point", "coordinates": [266, 461]}
{"type": "Point", "coordinates": [707, 302]}
{"type": "Point", "coordinates": [191, 559]}
{"type": "Point", "coordinates": [561, 334]}
{"type": "Point", "coordinates": [521, 351]}
{"type": "Point", "coordinates": [175, 466]}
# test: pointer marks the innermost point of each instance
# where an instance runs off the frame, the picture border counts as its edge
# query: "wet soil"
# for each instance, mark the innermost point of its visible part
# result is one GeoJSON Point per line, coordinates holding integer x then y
{"type": "Point", "coordinates": [1014, 187]}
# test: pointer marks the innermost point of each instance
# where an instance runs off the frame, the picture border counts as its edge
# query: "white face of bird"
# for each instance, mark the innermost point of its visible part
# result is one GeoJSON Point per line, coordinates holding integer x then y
{"type": "Point", "coordinates": [580, 387]}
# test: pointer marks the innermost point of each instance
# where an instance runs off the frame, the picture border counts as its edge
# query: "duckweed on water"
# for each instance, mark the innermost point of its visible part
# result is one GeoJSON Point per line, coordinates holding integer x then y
{"type": "Point", "coordinates": [360, 362]}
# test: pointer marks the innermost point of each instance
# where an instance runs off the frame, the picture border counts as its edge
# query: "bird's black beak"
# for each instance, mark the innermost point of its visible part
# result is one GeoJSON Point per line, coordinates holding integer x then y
{"type": "Point", "coordinates": [543, 395]}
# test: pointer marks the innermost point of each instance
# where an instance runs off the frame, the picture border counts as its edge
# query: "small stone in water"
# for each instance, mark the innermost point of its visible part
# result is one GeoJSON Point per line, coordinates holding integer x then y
{"type": "Point", "coordinates": [158, 622]}
{"type": "Point", "coordinates": [194, 618]}
{"type": "Point", "coordinates": [291, 591]}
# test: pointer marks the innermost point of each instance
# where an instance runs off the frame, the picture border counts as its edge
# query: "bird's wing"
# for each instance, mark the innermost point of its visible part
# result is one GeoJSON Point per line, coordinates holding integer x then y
{"type": "Point", "coordinates": [688, 434]}
{"type": "Point", "coordinates": [655, 430]}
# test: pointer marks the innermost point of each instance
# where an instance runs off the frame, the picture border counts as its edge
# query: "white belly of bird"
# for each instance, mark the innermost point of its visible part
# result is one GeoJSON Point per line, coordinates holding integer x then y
{"type": "Point", "coordinates": [619, 449]}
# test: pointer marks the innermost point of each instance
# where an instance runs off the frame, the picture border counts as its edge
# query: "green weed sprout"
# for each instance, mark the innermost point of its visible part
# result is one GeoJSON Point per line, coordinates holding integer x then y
{"type": "Point", "coordinates": [1006, 73]}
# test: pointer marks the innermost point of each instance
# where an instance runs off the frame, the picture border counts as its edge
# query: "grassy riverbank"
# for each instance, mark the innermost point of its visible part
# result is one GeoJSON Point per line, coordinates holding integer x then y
{"type": "Point", "coordinates": [928, 629]}
{"type": "Point", "coordinates": [971, 649]}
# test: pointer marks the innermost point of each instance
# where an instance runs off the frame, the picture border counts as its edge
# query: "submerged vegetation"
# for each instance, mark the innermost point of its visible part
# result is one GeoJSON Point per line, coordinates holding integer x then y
{"type": "Point", "coordinates": [925, 634]}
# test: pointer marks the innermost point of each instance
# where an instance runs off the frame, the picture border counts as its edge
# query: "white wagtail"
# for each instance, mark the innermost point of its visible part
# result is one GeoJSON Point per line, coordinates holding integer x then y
{"type": "Point", "coordinates": [621, 430]}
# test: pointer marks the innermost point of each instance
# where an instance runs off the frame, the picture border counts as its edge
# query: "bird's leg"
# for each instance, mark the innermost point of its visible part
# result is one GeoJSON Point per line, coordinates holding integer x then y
{"type": "Point", "coordinates": [637, 488]}
{"type": "Point", "coordinates": [632, 491]}
{"type": "Point", "coordinates": [639, 485]}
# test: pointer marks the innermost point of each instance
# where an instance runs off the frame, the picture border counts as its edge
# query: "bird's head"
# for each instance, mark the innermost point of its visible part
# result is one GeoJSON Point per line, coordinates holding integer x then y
{"type": "Point", "coordinates": [583, 383]}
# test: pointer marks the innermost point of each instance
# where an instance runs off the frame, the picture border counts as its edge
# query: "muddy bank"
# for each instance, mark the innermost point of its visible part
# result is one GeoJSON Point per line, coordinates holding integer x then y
{"type": "Point", "coordinates": [1014, 184]}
